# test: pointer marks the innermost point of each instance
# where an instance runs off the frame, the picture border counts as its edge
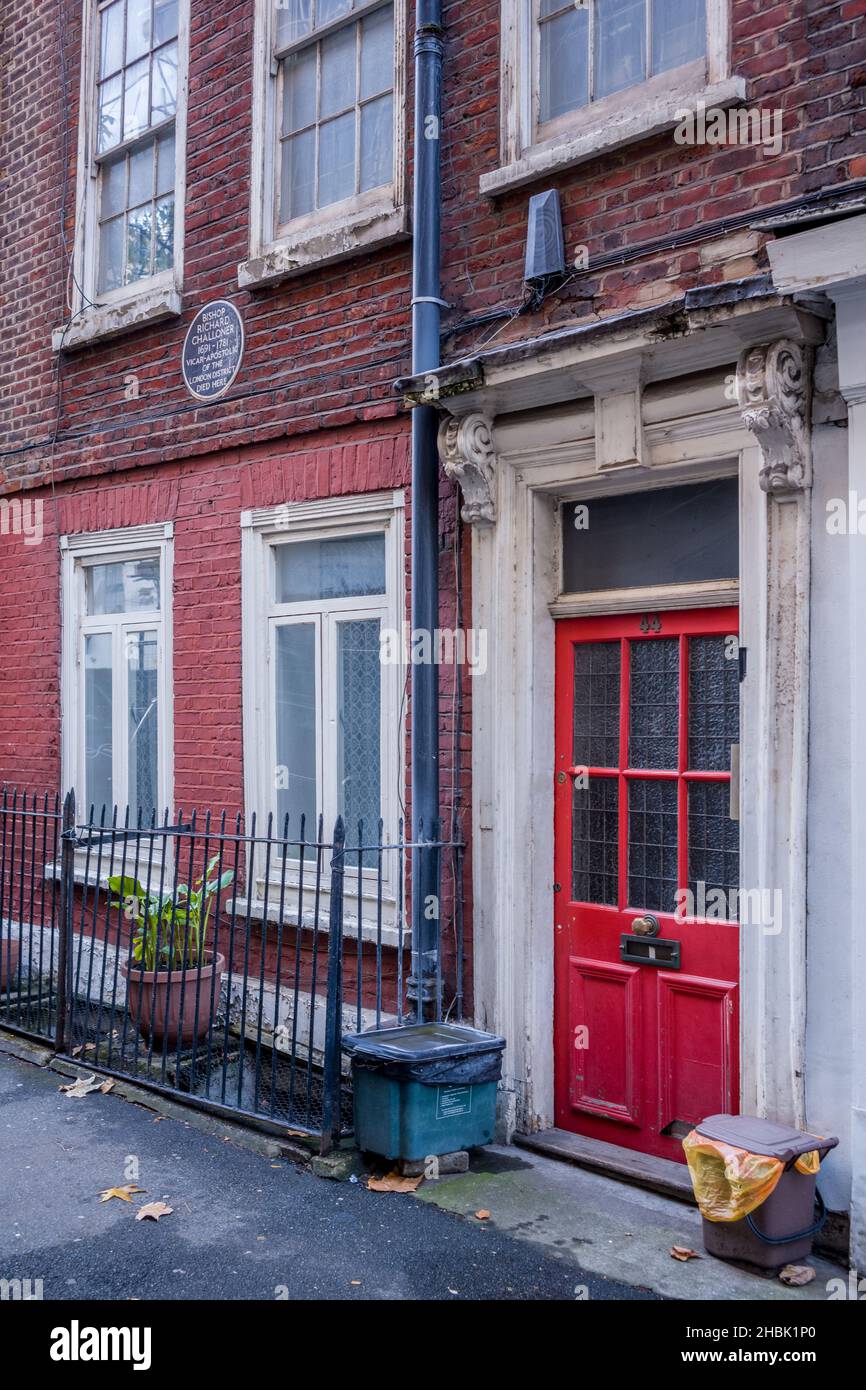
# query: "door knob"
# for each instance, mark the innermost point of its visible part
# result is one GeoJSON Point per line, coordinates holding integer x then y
{"type": "Point", "coordinates": [648, 925]}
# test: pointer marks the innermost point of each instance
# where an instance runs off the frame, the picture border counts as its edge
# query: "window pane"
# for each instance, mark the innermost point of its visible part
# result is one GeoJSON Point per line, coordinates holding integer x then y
{"type": "Point", "coordinates": [165, 160]}
{"type": "Point", "coordinates": [97, 721]}
{"type": "Point", "coordinates": [337, 160]}
{"type": "Point", "coordinates": [359, 752]}
{"type": "Point", "coordinates": [163, 250]}
{"type": "Point", "coordinates": [142, 722]}
{"type": "Point", "coordinates": [113, 188]}
{"type": "Point", "coordinates": [125, 586]}
{"type": "Point", "coordinates": [111, 39]}
{"type": "Point", "coordinates": [137, 28]}
{"type": "Point", "coordinates": [112, 238]}
{"type": "Point", "coordinates": [652, 845]}
{"type": "Point", "coordinates": [620, 45]}
{"type": "Point", "coordinates": [338, 71]}
{"type": "Point", "coordinates": [714, 839]}
{"type": "Point", "coordinates": [136, 82]}
{"type": "Point", "coordinates": [679, 32]}
{"type": "Point", "coordinates": [654, 700]}
{"type": "Point", "coordinates": [164, 97]}
{"type": "Point", "coordinates": [564, 64]}
{"type": "Point", "coordinates": [346, 568]}
{"type": "Point", "coordinates": [377, 53]}
{"type": "Point", "coordinates": [596, 704]}
{"type": "Point", "coordinates": [714, 703]}
{"type": "Point", "coordinates": [164, 20]}
{"type": "Point", "coordinates": [326, 10]}
{"type": "Point", "coordinates": [377, 143]}
{"type": "Point", "coordinates": [296, 727]}
{"type": "Point", "coordinates": [141, 176]}
{"type": "Point", "coordinates": [298, 186]}
{"type": "Point", "coordinates": [293, 20]}
{"type": "Point", "coordinates": [139, 235]}
{"type": "Point", "coordinates": [109, 114]}
{"type": "Point", "coordinates": [299, 90]}
{"type": "Point", "coordinates": [595, 842]}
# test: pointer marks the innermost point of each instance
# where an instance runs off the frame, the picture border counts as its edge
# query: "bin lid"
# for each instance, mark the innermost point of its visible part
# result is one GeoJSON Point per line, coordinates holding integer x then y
{"type": "Point", "coordinates": [763, 1136]}
{"type": "Point", "coordinates": [422, 1042]}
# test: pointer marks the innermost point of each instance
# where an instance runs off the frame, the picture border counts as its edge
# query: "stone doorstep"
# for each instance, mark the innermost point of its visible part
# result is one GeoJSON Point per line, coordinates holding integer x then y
{"type": "Point", "coordinates": [660, 1175]}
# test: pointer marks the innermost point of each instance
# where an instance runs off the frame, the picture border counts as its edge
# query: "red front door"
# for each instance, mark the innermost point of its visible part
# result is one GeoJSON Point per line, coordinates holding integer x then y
{"type": "Point", "coordinates": [646, 974]}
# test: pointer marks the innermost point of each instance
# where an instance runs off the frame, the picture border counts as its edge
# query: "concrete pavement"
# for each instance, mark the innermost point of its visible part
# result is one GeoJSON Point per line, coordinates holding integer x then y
{"type": "Point", "coordinates": [245, 1225]}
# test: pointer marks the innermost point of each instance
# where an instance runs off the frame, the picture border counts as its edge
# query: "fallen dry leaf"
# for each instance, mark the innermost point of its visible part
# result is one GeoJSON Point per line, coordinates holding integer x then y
{"type": "Point", "coordinates": [482, 1215]}
{"type": "Point", "coordinates": [123, 1194]}
{"type": "Point", "coordinates": [682, 1252]}
{"type": "Point", "coordinates": [393, 1182]}
{"type": "Point", "coordinates": [84, 1086]}
{"type": "Point", "coordinates": [796, 1275]}
{"type": "Point", "coordinates": [152, 1211]}
{"type": "Point", "coordinates": [106, 1087]}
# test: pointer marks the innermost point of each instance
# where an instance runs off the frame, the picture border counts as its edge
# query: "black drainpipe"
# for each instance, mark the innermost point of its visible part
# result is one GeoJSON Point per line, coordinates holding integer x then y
{"type": "Point", "coordinates": [424, 985]}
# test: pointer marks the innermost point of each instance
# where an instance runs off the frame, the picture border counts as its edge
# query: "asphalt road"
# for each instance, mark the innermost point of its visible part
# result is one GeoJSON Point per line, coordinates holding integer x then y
{"type": "Point", "coordinates": [243, 1226]}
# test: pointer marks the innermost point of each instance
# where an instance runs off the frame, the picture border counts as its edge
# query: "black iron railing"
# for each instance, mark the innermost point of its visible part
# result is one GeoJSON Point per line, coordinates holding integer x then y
{"type": "Point", "coordinates": [214, 960]}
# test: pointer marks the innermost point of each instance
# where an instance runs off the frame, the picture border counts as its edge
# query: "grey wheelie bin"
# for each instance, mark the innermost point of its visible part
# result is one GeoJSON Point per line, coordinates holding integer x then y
{"type": "Point", "coordinates": [755, 1183]}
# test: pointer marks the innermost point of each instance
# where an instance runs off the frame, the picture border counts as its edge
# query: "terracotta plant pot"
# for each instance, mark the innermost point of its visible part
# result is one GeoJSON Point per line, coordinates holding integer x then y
{"type": "Point", "coordinates": [154, 1001]}
{"type": "Point", "coordinates": [9, 952]}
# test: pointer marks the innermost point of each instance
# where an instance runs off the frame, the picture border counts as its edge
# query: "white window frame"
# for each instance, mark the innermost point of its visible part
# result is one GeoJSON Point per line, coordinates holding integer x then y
{"type": "Point", "coordinates": [78, 554]}
{"type": "Point", "coordinates": [94, 316]}
{"type": "Point", "coordinates": [340, 230]}
{"type": "Point", "coordinates": [635, 113]}
{"type": "Point", "coordinates": [331, 519]}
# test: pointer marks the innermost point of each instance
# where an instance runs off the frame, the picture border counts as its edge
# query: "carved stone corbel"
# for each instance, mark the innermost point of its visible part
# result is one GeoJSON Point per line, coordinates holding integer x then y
{"type": "Point", "coordinates": [774, 389]}
{"type": "Point", "coordinates": [466, 451]}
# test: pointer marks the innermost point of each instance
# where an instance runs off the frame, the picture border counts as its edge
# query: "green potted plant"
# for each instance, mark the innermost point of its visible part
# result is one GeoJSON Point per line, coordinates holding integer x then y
{"type": "Point", "coordinates": [171, 991]}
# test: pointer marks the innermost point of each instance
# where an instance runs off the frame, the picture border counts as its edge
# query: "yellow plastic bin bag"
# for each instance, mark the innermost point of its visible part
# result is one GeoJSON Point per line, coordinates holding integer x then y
{"type": "Point", "coordinates": [729, 1183]}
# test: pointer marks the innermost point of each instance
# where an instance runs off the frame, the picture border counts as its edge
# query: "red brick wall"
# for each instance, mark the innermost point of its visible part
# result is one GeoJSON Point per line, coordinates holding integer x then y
{"type": "Point", "coordinates": [322, 350]}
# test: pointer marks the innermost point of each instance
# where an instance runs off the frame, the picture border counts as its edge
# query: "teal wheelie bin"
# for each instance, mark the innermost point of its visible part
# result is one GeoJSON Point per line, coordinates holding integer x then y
{"type": "Point", "coordinates": [424, 1089]}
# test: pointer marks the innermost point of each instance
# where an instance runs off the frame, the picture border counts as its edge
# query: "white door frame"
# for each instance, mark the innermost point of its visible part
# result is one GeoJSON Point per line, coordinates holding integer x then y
{"type": "Point", "coordinates": [513, 473]}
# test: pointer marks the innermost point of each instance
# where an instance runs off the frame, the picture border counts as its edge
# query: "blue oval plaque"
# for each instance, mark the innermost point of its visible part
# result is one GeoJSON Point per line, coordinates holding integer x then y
{"type": "Point", "coordinates": [213, 350]}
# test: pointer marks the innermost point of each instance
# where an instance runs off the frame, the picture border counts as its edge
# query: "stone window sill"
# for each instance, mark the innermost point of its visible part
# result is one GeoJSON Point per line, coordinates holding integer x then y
{"type": "Point", "coordinates": [101, 321]}
{"type": "Point", "coordinates": [322, 244]}
{"type": "Point", "coordinates": [632, 122]}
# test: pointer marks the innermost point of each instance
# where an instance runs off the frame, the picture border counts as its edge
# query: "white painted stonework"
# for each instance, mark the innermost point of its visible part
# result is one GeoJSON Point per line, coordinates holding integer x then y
{"type": "Point", "coordinates": [795, 1065]}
